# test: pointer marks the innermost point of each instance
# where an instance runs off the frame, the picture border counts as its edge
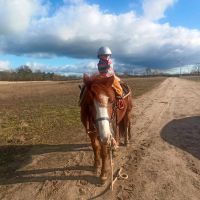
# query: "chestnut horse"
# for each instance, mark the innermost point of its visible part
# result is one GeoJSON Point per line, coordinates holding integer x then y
{"type": "Point", "coordinates": [103, 120]}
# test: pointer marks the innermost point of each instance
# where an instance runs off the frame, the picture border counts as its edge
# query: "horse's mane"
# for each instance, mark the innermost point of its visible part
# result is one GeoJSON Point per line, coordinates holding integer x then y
{"type": "Point", "coordinates": [100, 85]}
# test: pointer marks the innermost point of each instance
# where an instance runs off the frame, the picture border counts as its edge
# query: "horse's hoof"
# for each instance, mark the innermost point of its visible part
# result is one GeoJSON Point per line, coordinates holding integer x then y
{"type": "Point", "coordinates": [103, 180]}
{"type": "Point", "coordinates": [126, 143]}
{"type": "Point", "coordinates": [115, 153]}
{"type": "Point", "coordinates": [96, 170]}
{"type": "Point", "coordinates": [115, 148]}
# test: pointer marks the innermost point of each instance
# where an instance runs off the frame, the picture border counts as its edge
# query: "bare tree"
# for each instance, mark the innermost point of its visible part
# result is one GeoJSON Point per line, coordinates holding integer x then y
{"type": "Point", "coordinates": [198, 68]}
{"type": "Point", "coordinates": [148, 71]}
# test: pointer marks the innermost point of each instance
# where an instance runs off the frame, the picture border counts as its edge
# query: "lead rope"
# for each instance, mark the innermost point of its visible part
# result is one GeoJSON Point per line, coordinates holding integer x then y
{"type": "Point", "coordinates": [119, 176]}
{"type": "Point", "coordinates": [111, 164]}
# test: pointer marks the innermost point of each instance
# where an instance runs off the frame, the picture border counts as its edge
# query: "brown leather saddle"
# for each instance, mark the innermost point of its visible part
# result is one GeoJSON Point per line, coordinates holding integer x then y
{"type": "Point", "coordinates": [126, 89]}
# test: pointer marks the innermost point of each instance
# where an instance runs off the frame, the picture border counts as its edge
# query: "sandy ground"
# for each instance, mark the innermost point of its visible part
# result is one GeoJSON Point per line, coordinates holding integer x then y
{"type": "Point", "coordinates": [162, 161]}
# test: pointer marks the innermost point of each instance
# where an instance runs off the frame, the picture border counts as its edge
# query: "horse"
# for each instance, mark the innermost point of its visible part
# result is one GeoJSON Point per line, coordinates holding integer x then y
{"type": "Point", "coordinates": [104, 120]}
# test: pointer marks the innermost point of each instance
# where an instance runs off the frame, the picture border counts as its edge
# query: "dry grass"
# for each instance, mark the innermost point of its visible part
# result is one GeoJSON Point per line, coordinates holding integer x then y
{"type": "Point", "coordinates": [192, 78]}
{"type": "Point", "coordinates": [139, 86]}
{"type": "Point", "coordinates": [38, 113]}
{"type": "Point", "coordinates": [35, 113]}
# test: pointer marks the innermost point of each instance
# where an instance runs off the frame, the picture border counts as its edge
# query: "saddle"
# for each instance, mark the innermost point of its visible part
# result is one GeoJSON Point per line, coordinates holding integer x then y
{"type": "Point", "coordinates": [126, 90]}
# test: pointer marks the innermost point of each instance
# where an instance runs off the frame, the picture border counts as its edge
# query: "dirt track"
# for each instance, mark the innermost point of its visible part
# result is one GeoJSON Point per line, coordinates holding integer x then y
{"type": "Point", "coordinates": [162, 161]}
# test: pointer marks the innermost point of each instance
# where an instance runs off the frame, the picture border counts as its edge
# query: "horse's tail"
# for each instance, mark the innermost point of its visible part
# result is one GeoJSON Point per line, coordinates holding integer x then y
{"type": "Point", "coordinates": [129, 131]}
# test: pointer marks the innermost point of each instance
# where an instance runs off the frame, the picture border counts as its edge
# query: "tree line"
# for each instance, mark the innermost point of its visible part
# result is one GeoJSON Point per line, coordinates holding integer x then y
{"type": "Point", "coordinates": [24, 73]}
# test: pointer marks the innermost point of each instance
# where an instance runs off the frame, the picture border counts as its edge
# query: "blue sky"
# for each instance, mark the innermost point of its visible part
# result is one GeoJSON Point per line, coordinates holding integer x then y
{"type": "Point", "coordinates": [184, 13]}
{"type": "Point", "coordinates": [63, 36]}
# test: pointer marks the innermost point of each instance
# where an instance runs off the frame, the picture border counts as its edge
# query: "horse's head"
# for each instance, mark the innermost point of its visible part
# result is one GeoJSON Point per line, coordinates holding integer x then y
{"type": "Point", "coordinates": [101, 95]}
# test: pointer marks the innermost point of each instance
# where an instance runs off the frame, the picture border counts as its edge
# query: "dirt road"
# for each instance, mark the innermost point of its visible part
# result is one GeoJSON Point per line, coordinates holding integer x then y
{"type": "Point", "coordinates": [162, 161]}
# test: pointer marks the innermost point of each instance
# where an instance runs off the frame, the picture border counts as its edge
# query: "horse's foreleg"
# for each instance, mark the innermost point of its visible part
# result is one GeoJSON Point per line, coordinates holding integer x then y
{"type": "Point", "coordinates": [105, 162]}
{"type": "Point", "coordinates": [96, 149]}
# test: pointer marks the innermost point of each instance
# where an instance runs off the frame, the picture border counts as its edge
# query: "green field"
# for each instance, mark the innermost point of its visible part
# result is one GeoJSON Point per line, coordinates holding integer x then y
{"type": "Point", "coordinates": [45, 113]}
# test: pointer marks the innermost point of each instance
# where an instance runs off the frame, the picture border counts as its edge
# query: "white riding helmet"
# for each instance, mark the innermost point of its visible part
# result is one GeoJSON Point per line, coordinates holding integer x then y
{"type": "Point", "coordinates": [104, 51]}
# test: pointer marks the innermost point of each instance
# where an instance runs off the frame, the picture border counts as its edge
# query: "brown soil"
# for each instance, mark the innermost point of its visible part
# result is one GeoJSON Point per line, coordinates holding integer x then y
{"type": "Point", "coordinates": [162, 161]}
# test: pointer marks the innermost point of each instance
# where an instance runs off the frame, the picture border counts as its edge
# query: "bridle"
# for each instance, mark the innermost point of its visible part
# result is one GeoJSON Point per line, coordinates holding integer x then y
{"type": "Point", "coordinates": [113, 117]}
{"type": "Point", "coordinates": [102, 118]}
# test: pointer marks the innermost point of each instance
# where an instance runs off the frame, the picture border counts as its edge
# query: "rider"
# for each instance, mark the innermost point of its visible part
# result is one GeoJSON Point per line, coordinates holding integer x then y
{"type": "Point", "coordinates": [105, 68]}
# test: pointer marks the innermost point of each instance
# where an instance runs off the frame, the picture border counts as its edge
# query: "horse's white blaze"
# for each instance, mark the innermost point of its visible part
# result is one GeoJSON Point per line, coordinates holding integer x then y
{"type": "Point", "coordinates": [103, 125]}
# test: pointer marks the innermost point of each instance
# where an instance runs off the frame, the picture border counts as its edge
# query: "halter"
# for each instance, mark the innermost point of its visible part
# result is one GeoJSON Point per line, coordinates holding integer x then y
{"type": "Point", "coordinates": [114, 107]}
{"type": "Point", "coordinates": [113, 119]}
{"type": "Point", "coordinates": [102, 118]}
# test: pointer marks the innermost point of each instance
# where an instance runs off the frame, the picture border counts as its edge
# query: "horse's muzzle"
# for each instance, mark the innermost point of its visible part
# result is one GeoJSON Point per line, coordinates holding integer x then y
{"type": "Point", "coordinates": [103, 124]}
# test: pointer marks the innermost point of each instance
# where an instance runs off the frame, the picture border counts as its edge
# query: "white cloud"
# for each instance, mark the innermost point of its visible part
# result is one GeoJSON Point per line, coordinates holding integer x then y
{"type": "Point", "coordinates": [73, 1]}
{"type": "Point", "coordinates": [84, 66]}
{"type": "Point", "coordinates": [15, 15]}
{"type": "Point", "coordinates": [36, 66]}
{"type": "Point", "coordinates": [79, 29]}
{"type": "Point", "coordinates": [155, 9]}
{"type": "Point", "coordinates": [4, 65]}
